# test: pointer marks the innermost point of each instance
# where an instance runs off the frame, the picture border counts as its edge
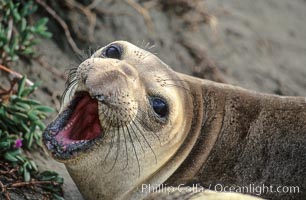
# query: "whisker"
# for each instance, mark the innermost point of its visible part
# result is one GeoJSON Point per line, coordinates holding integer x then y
{"type": "Point", "coordinates": [148, 128]}
{"type": "Point", "coordinates": [146, 54]}
{"type": "Point", "coordinates": [147, 46]}
{"type": "Point", "coordinates": [142, 44]}
{"type": "Point", "coordinates": [74, 84]}
{"type": "Point", "coordinates": [135, 134]}
{"type": "Point", "coordinates": [103, 112]}
{"type": "Point", "coordinates": [134, 152]}
{"type": "Point", "coordinates": [134, 123]}
{"type": "Point", "coordinates": [151, 132]}
{"type": "Point", "coordinates": [178, 86]}
{"type": "Point", "coordinates": [145, 141]}
{"type": "Point", "coordinates": [71, 76]}
{"type": "Point", "coordinates": [72, 81]}
{"type": "Point", "coordinates": [71, 87]}
{"type": "Point", "coordinates": [103, 120]}
{"type": "Point", "coordinates": [126, 150]}
{"type": "Point", "coordinates": [152, 46]}
{"type": "Point", "coordinates": [111, 146]}
{"type": "Point", "coordinates": [118, 147]}
{"type": "Point", "coordinates": [175, 80]}
{"type": "Point", "coordinates": [72, 69]}
{"type": "Point", "coordinates": [89, 52]}
{"type": "Point", "coordinates": [109, 149]}
{"type": "Point", "coordinates": [167, 78]}
{"type": "Point", "coordinates": [138, 140]}
{"type": "Point", "coordinates": [106, 133]}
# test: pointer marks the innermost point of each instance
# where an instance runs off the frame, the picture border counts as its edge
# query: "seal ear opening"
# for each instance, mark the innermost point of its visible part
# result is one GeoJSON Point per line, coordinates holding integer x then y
{"type": "Point", "coordinates": [83, 123]}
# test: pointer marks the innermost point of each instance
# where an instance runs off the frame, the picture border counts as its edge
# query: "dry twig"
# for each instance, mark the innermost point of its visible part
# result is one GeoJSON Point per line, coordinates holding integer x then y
{"type": "Point", "coordinates": [15, 75]}
{"type": "Point", "coordinates": [51, 69]}
{"type": "Point", "coordinates": [62, 24]}
{"type": "Point", "coordinates": [12, 182]}
{"type": "Point", "coordinates": [91, 17]}
{"type": "Point", "coordinates": [144, 12]}
{"type": "Point", "coordinates": [192, 12]}
{"type": "Point", "coordinates": [205, 68]}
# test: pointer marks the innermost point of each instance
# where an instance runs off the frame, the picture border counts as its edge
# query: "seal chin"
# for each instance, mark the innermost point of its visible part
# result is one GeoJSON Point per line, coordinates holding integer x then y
{"type": "Point", "coordinates": [75, 129]}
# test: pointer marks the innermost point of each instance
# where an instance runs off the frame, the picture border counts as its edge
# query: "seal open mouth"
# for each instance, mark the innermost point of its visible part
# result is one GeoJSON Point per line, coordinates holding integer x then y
{"type": "Point", "coordinates": [75, 128]}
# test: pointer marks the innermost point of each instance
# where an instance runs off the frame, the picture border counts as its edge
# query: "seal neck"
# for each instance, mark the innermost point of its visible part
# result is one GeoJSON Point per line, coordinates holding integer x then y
{"type": "Point", "coordinates": [206, 125]}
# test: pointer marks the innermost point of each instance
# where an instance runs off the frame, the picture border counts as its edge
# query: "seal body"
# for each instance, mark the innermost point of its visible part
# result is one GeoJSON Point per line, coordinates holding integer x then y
{"type": "Point", "coordinates": [256, 142]}
{"type": "Point", "coordinates": [127, 119]}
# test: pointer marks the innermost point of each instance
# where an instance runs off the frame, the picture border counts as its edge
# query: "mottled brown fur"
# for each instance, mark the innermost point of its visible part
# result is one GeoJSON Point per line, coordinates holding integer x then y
{"type": "Point", "coordinates": [262, 140]}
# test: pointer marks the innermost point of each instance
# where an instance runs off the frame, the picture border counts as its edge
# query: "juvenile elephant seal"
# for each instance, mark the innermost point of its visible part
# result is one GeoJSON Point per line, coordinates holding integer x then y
{"type": "Point", "coordinates": [129, 124]}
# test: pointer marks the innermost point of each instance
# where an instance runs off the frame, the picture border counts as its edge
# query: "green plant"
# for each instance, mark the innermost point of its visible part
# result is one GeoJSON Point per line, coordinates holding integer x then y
{"type": "Point", "coordinates": [17, 33]}
{"type": "Point", "coordinates": [20, 115]}
{"type": "Point", "coordinates": [21, 130]}
{"type": "Point", "coordinates": [21, 118]}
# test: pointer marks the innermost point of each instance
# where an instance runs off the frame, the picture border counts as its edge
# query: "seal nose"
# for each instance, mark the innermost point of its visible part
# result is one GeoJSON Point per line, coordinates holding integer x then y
{"type": "Point", "coordinates": [103, 77]}
{"type": "Point", "coordinates": [128, 70]}
{"type": "Point", "coordinates": [113, 68]}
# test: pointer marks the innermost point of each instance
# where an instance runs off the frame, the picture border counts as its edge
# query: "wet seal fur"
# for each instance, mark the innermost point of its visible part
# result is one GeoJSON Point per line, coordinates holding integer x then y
{"type": "Point", "coordinates": [113, 135]}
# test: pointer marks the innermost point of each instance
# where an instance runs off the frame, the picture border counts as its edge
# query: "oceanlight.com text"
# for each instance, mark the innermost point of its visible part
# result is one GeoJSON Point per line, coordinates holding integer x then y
{"type": "Point", "coordinates": [255, 189]}
{"type": "Point", "coordinates": [196, 188]}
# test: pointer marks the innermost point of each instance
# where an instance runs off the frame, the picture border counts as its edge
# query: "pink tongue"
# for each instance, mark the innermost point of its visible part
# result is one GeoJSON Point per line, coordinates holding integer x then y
{"type": "Point", "coordinates": [84, 122]}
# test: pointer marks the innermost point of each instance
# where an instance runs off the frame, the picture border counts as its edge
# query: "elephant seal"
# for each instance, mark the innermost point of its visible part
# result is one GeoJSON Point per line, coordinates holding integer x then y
{"type": "Point", "coordinates": [129, 126]}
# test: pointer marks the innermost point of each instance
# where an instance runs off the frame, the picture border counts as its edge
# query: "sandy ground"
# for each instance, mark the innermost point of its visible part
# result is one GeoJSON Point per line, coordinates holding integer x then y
{"type": "Point", "coordinates": [259, 45]}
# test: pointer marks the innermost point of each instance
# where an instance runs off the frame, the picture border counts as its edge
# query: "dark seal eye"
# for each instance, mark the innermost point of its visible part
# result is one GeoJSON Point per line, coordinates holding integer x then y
{"type": "Point", "coordinates": [113, 51]}
{"type": "Point", "coordinates": [160, 107]}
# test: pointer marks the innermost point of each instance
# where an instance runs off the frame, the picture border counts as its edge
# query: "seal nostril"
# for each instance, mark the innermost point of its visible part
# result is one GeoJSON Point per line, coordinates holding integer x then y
{"type": "Point", "coordinates": [127, 70]}
{"type": "Point", "coordinates": [85, 79]}
{"type": "Point", "coordinates": [101, 98]}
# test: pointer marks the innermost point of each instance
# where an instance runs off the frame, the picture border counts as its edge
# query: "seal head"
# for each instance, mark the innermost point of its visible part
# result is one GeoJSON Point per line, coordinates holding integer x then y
{"type": "Point", "coordinates": [124, 115]}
